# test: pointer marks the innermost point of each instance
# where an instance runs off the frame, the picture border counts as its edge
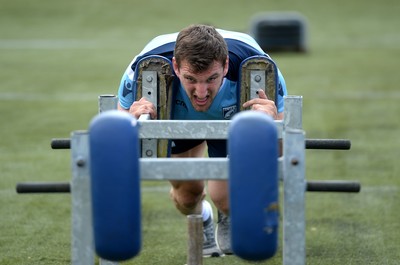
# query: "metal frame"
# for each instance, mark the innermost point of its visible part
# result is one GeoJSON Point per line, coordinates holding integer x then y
{"type": "Point", "coordinates": [82, 243]}
{"type": "Point", "coordinates": [292, 169]}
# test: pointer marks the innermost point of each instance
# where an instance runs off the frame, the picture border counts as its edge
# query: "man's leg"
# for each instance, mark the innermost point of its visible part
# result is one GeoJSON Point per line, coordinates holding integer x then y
{"type": "Point", "coordinates": [188, 197]}
{"type": "Point", "coordinates": [219, 194]}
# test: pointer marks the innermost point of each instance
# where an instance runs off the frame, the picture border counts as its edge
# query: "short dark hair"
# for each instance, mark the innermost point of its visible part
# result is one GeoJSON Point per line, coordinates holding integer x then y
{"type": "Point", "coordinates": [200, 45]}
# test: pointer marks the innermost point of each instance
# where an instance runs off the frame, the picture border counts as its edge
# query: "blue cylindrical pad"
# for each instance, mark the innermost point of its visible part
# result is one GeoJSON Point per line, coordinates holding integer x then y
{"type": "Point", "coordinates": [115, 185]}
{"type": "Point", "coordinates": [253, 185]}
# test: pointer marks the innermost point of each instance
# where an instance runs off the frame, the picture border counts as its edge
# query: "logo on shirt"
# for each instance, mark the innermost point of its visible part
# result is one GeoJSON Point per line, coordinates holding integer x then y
{"type": "Point", "coordinates": [181, 103]}
{"type": "Point", "coordinates": [280, 89]}
{"type": "Point", "coordinates": [228, 112]}
{"type": "Point", "coordinates": [127, 88]}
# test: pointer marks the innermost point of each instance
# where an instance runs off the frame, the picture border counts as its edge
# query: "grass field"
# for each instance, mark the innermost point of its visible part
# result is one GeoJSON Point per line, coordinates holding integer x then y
{"type": "Point", "coordinates": [56, 57]}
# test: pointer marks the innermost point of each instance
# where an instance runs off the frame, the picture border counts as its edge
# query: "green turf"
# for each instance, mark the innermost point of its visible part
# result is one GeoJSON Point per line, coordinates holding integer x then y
{"type": "Point", "coordinates": [56, 57]}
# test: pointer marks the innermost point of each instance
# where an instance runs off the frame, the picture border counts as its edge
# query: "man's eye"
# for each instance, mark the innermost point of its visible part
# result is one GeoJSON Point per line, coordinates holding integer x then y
{"type": "Point", "coordinates": [211, 79]}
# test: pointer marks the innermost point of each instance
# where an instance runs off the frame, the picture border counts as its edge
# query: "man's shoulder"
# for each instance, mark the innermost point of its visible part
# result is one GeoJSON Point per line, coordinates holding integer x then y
{"type": "Point", "coordinates": [244, 38]}
{"type": "Point", "coordinates": [166, 40]}
{"type": "Point", "coordinates": [229, 34]}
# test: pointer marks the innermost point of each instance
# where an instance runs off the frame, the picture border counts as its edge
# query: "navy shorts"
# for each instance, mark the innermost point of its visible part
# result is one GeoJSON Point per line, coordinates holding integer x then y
{"type": "Point", "coordinates": [216, 148]}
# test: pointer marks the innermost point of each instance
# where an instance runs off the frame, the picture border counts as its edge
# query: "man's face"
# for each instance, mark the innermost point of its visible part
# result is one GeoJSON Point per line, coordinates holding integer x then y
{"type": "Point", "coordinates": [202, 87]}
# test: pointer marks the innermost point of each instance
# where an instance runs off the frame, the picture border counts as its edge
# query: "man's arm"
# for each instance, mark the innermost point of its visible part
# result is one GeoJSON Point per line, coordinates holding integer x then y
{"type": "Point", "coordinates": [142, 106]}
{"type": "Point", "coordinates": [262, 103]}
{"type": "Point", "coordinates": [267, 106]}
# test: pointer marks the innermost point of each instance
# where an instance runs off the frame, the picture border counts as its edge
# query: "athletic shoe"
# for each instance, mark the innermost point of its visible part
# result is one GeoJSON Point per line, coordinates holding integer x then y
{"type": "Point", "coordinates": [210, 248]}
{"type": "Point", "coordinates": [223, 234]}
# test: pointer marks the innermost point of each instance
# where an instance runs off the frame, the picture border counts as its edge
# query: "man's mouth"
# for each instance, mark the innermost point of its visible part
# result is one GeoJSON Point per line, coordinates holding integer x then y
{"type": "Point", "coordinates": [201, 101]}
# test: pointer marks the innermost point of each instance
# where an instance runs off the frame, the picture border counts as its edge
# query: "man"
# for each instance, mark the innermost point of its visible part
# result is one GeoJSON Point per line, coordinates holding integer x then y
{"type": "Point", "coordinates": [206, 62]}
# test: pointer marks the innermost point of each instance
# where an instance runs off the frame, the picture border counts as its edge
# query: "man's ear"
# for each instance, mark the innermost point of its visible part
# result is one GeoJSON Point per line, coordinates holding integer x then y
{"type": "Point", "coordinates": [226, 68]}
{"type": "Point", "coordinates": [175, 66]}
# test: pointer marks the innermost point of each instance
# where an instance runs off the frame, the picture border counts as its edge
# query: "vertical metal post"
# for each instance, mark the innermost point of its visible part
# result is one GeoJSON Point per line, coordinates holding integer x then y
{"type": "Point", "coordinates": [293, 112]}
{"type": "Point", "coordinates": [82, 234]}
{"type": "Point", "coordinates": [149, 91]}
{"type": "Point", "coordinates": [293, 183]}
{"type": "Point", "coordinates": [294, 198]}
{"type": "Point", "coordinates": [195, 240]}
{"type": "Point", "coordinates": [107, 102]}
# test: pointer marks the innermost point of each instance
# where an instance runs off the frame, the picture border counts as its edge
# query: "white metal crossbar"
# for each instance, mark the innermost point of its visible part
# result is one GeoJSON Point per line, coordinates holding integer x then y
{"type": "Point", "coordinates": [188, 129]}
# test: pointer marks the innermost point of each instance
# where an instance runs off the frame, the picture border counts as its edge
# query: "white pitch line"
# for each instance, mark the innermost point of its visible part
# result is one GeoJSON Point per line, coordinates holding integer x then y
{"type": "Point", "coordinates": [52, 44]}
{"type": "Point", "coordinates": [380, 189]}
{"type": "Point", "coordinates": [40, 97]}
{"type": "Point", "coordinates": [359, 95]}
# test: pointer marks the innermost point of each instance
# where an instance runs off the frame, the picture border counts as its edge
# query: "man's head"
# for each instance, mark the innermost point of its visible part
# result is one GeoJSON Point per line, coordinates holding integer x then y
{"type": "Point", "coordinates": [200, 62]}
{"type": "Point", "coordinates": [200, 46]}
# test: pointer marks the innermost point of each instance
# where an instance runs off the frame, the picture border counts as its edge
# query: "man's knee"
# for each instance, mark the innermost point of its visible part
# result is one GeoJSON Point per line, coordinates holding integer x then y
{"type": "Point", "coordinates": [187, 196]}
{"type": "Point", "coordinates": [222, 204]}
{"type": "Point", "coordinates": [219, 194]}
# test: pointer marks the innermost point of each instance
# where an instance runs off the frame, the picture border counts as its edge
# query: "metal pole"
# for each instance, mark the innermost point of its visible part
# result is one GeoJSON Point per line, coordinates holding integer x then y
{"type": "Point", "coordinates": [107, 102]}
{"type": "Point", "coordinates": [203, 130]}
{"type": "Point", "coordinates": [195, 240]}
{"type": "Point", "coordinates": [333, 186]}
{"type": "Point", "coordinates": [312, 186]}
{"type": "Point", "coordinates": [43, 187]}
{"type": "Point", "coordinates": [150, 92]}
{"type": "Point", "coordinates": [293, 183]}
{"type": "Point", "coordinates": [294, 198]}
{"type": "Point", "coordinates": [81, 231]}
{"type": "Point", "coordinates": [333, 144]}
{"type": "Point", "coordinates": [293, 112]}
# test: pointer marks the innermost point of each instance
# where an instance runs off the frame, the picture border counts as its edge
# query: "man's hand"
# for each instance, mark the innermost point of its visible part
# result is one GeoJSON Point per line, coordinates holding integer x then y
{"type": "Point", "coordinates": [143, 106]}
{"type": "Point", "coordinates": [262, 104]}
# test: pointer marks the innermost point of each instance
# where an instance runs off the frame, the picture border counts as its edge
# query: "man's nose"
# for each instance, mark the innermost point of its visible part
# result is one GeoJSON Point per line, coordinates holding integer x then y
{"type": "Point", "coordinates": [201, 89]}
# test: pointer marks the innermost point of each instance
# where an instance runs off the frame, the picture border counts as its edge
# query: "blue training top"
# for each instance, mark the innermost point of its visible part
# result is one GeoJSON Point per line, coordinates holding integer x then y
{"type": "Point", "coordinates": [240, 46]}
